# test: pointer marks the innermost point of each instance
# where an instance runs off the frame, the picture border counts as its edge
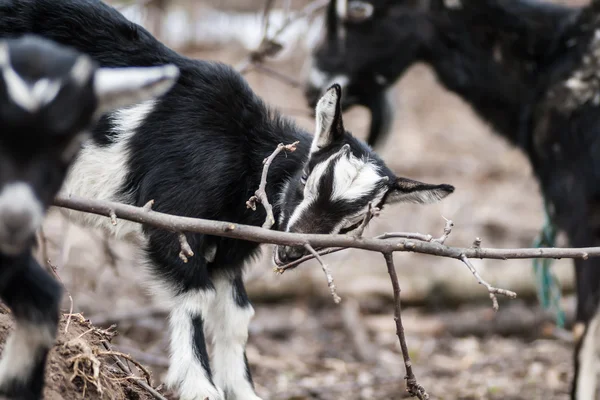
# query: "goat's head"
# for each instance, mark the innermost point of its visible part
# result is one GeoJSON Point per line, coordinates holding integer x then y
{"type": "Point", "coordinates": [340, 180]}
{"type": "Point", "coordinates": [50, 98]}
{"type": "Point", "coordinates": [366, 46]}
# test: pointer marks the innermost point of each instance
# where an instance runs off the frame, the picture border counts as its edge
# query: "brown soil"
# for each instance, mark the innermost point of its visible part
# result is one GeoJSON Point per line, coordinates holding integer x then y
{"type": "Point", "coordinates": [79, 366]}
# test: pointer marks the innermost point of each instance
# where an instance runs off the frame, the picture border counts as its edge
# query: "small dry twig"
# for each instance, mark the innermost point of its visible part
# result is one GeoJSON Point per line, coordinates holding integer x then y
{"type": "Point", "coordinates": [491, 289]}
{"type": "Point", "coordinates": [372, 212]}
{"type": "Point", "coordinates": [325, 268]}
{"type": "Point", "coordinates": [447, 232]}
{"type": "Point", "coordinates": [412, 386]}
{"type": "Point", "coordinates": [261, 195]}
{"type": "Point", "coordinates": [186, 250]}
{"type": "Point", "coordinates": [143, 384]}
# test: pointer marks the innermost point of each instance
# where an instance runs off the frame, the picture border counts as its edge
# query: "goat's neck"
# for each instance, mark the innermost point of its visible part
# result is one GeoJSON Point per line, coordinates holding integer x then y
{"type": "Point", "coordinates": [493, 55]}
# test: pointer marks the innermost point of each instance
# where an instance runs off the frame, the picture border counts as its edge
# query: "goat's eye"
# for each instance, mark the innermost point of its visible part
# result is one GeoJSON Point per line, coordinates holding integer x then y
{"type": "Point", "coordinates": [359, 11]}
{"type": "Point", "coordinates": [304, 178]}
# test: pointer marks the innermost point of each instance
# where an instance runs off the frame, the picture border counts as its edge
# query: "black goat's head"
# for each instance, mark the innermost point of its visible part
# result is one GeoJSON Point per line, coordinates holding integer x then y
{"type": "Point", "coordinates": [366, 45]}
{"type": "Point", "coordinates": [50, 98]}
{"type": "Point", "coordinates": [340, 179]}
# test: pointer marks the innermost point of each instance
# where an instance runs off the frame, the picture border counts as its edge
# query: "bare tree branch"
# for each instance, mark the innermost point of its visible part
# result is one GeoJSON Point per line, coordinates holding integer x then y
{"type": "Point", "coordinates": [412, 386]}
{"type": "Point", "coordinates": [260, 235]}
{"type": "Point", "coordinates": [261, 194]}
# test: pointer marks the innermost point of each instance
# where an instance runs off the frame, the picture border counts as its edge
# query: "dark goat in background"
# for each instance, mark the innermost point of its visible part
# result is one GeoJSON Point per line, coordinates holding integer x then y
{"type": "Point", "coordinates": [198, 152]}
{"type": "Point", "coordinates": [528, 68]}
{"type": "Point", "coordinates": [50, 98]}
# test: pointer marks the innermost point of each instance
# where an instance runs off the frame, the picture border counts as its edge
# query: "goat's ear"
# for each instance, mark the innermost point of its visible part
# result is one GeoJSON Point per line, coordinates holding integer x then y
{"type": "Point", "coordinates": [405, 190]}
{"type": "Point", "coordinates": [120, 87]}
{"type": "Point", "coordinates": [329, 119]}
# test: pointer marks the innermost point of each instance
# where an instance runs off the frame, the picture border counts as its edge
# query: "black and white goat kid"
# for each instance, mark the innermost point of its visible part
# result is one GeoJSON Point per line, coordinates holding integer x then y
{"type": "Point", "coordinates": [198, 152]}
{"type": "Point", "coordinates": [527, 67]}
{"type": "Point", "coordinates": [50, 98]}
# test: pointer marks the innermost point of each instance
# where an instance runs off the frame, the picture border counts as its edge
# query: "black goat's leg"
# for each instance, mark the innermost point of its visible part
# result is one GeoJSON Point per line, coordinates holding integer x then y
{"type": "Point", "coordinates": [34, 298]}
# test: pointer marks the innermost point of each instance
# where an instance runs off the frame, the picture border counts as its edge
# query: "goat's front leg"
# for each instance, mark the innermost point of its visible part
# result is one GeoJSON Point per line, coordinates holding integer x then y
{"type": "Point", "coordinates": [189, 369]}
{"type": "Point", "coordinates": [34, 298]}
{"type": "Point", "coordinates": [227, 322]}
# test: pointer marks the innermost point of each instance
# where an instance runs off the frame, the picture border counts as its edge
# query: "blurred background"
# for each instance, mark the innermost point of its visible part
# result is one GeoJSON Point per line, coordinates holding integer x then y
{"type": "Point", "coordinates": [302, 345]}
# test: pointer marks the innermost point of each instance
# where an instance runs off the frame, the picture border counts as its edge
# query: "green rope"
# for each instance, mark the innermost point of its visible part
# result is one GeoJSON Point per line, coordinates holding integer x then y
{"type": "Point", "coordinates": [548, 286]}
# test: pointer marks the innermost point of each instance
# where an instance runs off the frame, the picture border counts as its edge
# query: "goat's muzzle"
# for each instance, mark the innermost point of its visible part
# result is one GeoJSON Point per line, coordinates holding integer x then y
{"type": "Point", "coordinates": [286, 254]}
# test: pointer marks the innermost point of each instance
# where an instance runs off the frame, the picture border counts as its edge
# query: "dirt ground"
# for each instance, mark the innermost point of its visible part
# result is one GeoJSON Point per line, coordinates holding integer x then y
{"type": "Point", "coordinates": [302, 346]}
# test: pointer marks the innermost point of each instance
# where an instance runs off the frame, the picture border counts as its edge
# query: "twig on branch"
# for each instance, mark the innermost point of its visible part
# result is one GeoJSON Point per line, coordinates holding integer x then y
{"type": "Point", "coordinates": [372, 212]}
{"type": "Point", "coordinates": [447, 232]}
{"type": "Point", "coordinates": [186, 250]}
{"type": "Point", "coordinates": [261, 194]}
{"type": "Point", "coordinates": [330, 283]}
{"type": "Point", "coordinates": [491, 289]}
{"type": "Point", "coordinates": [412, 386]}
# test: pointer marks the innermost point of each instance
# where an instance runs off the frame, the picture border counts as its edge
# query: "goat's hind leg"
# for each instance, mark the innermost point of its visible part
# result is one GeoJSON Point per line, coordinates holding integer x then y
{"type": "Point", "coordinates": [227, 322]}
{"type": "Point", "coordinates": [34, 298]}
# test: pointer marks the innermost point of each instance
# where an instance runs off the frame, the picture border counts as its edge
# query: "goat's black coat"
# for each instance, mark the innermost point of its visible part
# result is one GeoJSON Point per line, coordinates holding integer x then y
{"type": "Point", "coordinates": [513, 61]}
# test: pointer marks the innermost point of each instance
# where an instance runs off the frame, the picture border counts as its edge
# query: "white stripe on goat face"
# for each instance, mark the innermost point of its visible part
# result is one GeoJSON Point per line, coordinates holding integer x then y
{"type": "Point", "coordinates": [353, 178]}
{"type": "Point", "coordinates": [29, 96]}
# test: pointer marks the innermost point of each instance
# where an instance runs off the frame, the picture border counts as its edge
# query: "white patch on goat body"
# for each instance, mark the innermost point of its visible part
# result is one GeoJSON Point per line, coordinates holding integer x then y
{"type": "Point", "coordinates": [227, 325]}
{"type": "Point", "coordinates": [18, 201]}
{"type": "Point", "coordinates": [99, 172]}
{"type": "Point", "coordinates": [185, 370]}
{"type": "Point", "coordinates": [22, 351]}
{"type": "Point", "coordinates": [353, 178]}
{"type": "Point", "coordinates": [587, 376]}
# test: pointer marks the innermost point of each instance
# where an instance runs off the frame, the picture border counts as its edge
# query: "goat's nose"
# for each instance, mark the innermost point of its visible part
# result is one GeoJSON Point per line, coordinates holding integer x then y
{"type": "Point", "coordinates": [290, 253]}
{"type": "Point", "coordinates": [16, 222]}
